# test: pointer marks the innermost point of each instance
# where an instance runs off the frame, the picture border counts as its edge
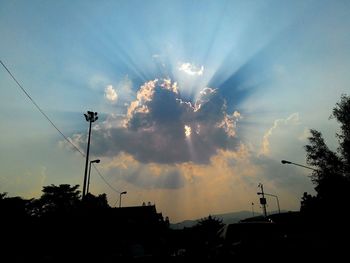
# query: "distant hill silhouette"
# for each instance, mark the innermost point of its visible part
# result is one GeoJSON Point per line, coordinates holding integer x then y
{"type": "Point", "coordinates": [227, 218]}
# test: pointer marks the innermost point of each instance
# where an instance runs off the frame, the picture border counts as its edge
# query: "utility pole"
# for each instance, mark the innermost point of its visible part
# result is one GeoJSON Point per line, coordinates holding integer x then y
{"type": "Point", "coordinates": [253, 209]}
{"type": "Point", "coordinates": [90, 117]}
{"type": "Point", "coordinates": [120, 198]}
{"type": "Point", "coordinates": [262, 199]}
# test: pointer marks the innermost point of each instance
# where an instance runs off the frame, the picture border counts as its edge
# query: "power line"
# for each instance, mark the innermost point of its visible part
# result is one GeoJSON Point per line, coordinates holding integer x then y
{"type": "Point", "coordinates": [41, 111]}
{"type": "Point", "coordinates": [51, 122]}
{"type": "Point", "coordinates": [105, 179]}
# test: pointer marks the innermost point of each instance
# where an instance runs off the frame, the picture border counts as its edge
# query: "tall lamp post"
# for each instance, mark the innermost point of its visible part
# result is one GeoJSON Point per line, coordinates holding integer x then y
{"type": "Point", "coordinates": [120, 198]}
{"type": "Point", "coordinates": [90, 117]}
{"type": "Point", "coordinates": [307, 167]}
{"type": "Point", "coordinates": [88, 182]}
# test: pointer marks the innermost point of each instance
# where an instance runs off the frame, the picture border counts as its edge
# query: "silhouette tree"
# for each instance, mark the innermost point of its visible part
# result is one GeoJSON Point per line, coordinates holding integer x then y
{"type": "Point", "coordinates": [54, 222]}
{"type": "Point", "coordinates": [210, 224]}
{"type": "Point", "coordinates": [331, 176]}
{"type": "Point", "coordinates": [96, 202]}
{"type": "Point", "coordinates": [342, 114]}
{"type": "Point", "coordinates": [60, 199]}
{"type": "Point", "coordinates": [203, 237]}
{"type": "Point", "coordinates": [13, 207]}
{"type": "Point", "coordinates": [309, 204]}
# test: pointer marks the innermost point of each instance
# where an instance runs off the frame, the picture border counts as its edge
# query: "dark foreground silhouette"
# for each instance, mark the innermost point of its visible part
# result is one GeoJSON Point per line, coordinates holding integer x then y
{"type": "Point", "coordinates": [60, 228]}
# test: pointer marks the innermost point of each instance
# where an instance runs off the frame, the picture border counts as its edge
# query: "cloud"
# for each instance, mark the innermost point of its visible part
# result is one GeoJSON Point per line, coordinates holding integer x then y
{"type": "Point", "coordinates": [280, 176]}
{"type": "Point", "coordinates": [146, 176]}
{"type": "Point", "coordinates": [191, 69]}
{"type": "Point", "coordinates": [292, 120]}
{"type": "Point", "coordinates": [153, 129]}
{"type": "Point", "coordinates": [111, 94]}
{"type": "Point", "coordinates": [125, 92]}
{"type": "Point", "coordinates": [229, 123]}
{"type": "Point", "coordinates": [114, 91]}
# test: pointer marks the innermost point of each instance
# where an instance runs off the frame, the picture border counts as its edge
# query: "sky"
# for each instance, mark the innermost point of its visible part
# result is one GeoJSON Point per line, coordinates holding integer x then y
{"type": "Point", "coordinates": [198, 101]}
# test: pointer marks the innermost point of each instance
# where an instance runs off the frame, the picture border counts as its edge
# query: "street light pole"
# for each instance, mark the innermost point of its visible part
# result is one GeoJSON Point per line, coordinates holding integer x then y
{"type": "Point", "coordinates": [90, 117]}
{"type": "Point", "coordinates": [278, 203]}
{"type": "Point", "coordinates": [88, 183]}
{"type": "Point", "coordinates": [307, 167]}
{"type": "Point", "coordinates": [253, 209]}
{"type": "Point", "coordinates": [120, 198]}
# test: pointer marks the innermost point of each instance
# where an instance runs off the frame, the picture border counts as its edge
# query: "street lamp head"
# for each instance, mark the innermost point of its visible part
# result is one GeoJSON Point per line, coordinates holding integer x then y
{"type": "Point", "coordinates": [122, 193]}
{"type": "Point", "coordinates": [304, 166]}
{"type": "Point", "coordinates": [286, 162]}
{"type": "Point", "coordinates": [91, 116]}
{"type": "Point", "coordinates": [95, 161]}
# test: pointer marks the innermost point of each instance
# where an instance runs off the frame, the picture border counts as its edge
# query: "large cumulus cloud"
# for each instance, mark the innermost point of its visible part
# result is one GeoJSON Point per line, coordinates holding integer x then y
{"type": "Point", "coordinates": [145, 176]}
{"type": "Point", "coordinates": [153, 128]}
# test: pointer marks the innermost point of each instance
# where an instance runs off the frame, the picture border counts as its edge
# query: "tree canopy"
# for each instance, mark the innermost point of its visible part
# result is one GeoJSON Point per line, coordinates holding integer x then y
{"type": "Point", "coordinates": [62, 198]}
{"type": "Point", "coordinates": [331, 175]}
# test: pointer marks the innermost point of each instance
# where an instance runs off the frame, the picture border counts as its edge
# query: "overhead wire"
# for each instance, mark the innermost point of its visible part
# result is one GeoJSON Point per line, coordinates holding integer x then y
{"type": "Point", "coordinates": [106, 182]}
{"type": "Point", "coordinates": [53, 124]}
{"type": "Point", "coordinates": [38, 107]}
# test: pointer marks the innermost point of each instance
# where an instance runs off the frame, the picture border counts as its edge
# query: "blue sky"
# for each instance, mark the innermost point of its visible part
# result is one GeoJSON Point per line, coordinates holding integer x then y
{"type": "Point", "coordinates": [251, 78]}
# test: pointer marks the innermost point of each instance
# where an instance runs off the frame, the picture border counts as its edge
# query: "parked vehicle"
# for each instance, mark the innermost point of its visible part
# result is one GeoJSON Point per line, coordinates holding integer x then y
{"type": "Point", "coordinates": [250, 240]}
